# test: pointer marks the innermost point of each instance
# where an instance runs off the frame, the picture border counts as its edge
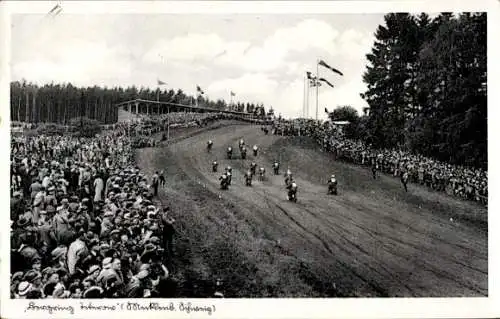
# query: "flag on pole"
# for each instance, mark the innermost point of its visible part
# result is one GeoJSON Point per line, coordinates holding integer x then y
{"type": "Point", "coordinates": [326, 81]}
{"type": "Point", "coordinates": [323, 63]}
{"type": "Point", "coordinates": [55, 11]}
{"type": "Point", "coordinates": [199, 90]}
{"type": "Point", "coordinates": [232, 93]}
{"type": "Point", "coordinates": [309, 75]}
{"type": "Point", "coordinates": [326, 110]}
{"type": "Point", "coordinates": [160, 82]}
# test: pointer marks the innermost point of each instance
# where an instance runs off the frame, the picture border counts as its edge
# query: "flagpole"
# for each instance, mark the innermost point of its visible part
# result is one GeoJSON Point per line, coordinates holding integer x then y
{"type": "Point", "coordinates": [317, 87]}
{"type": "Point", "coordinates": [308, 86]}
{"type": "Point", "coordinates": [304, 102]}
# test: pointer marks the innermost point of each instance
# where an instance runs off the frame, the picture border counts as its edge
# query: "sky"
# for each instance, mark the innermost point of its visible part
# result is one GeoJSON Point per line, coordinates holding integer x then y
{"type": "Point", "coordinates": [262, 58]}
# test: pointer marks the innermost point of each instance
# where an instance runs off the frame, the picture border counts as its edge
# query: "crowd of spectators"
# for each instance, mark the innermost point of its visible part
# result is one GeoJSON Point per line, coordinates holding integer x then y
{"type": "Point", "coordinates": [463, 182]}
{"type": "Point", "coordinates": [84, 223]}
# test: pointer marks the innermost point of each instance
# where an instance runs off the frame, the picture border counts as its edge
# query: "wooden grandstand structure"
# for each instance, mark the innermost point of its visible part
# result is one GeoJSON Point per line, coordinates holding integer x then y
{"type": "Point", "coordinates": [147, 107]}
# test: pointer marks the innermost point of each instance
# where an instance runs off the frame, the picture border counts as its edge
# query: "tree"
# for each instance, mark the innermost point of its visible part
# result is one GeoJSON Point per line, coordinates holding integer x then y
{"type": "Point", "coordinates": [426, 84]}
{"type": "Point", "coordinates": [346, 113]}
{"type": "Point", "coordinates": [389, 78]}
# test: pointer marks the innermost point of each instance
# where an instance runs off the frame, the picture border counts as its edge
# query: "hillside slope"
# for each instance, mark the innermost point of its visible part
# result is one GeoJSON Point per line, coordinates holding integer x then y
{"type": "Point", "coordinates": [371, 240]}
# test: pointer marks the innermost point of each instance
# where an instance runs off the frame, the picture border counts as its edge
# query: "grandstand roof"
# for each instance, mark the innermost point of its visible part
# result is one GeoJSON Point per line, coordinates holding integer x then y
{"type": "Point", "coordinates": [190, 107]}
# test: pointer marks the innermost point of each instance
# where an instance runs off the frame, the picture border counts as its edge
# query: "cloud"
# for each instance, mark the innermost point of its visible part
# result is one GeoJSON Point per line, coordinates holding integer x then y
{"type": "Point", "coordinates": [79, 61]}
{"type": "Point", "coordinates": [272, 54]}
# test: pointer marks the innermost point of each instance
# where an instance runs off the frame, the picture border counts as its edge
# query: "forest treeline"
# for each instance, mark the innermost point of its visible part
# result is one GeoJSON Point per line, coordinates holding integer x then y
{"type": "Point", "coordinates": [59, 103]}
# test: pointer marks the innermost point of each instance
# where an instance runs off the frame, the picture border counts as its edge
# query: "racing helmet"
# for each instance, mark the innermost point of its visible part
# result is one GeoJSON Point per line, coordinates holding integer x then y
{"type": "Point", "coordinates": [294, 184]}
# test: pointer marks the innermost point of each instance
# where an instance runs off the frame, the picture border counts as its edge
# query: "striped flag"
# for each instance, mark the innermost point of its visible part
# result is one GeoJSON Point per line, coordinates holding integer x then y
{"type": "Point", "coordinates": [326, 81]}
{"type": "Point", "coordinates": [160, 82]}
{"type": "Point", "coordinates": [199, 90]}
{"type": "Point", "coordinates": [323, 63]}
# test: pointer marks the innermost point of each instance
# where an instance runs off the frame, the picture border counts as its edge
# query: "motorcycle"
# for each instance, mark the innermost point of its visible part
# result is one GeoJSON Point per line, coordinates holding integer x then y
{"type": "Point", "coordinates": [255, 150]}
{"type": "Point", "coordinates": [332, 188]}
{"type": "Point", "coordinates": [276, 168]}
{"type": "Point", "coordinates": [248, 180]}
{"type": "Point", "coordinates": [209, 147]}
{"type": "Point", "coordinates": [229, 153]}
{"type": "Point", "coordinates": [224, 184]}
{"type": "Point", "coordinates": [262, 173]}
{"type": "Point", "coordinates": [253, 168]}
{"type": "Point", "coordinates": [214, 166]}
{"type": "Point", "coordinates": [229, 178]}
{"type": "Point", "coordinates": [292, 195]}
{"type": "Point", "coordinates": [243, 153]}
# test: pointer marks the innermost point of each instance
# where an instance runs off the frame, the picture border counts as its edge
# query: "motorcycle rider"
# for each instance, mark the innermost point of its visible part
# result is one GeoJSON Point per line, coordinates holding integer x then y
{"type": "Point", "coordinates": [253, 168]}
{"type": "Point", "coordinates": [229, 173]}
{"type": "Point", "coordinates": [248, 178]}
{"type": "Point", "coordinates": [241, 143]}
{"type": "Point", "coordinates": [276, 167]}
{"type": "Point", "coordinates": [209, 145]}
{"type": "Point", "coordinates": [332, 185]}
{"type": "Point", "coordinates": [262, 173]}
{"type": "Point", "coordinates": [292, 190]}
{"type": "Point", "coordinates": [243, 152]}
{"type": "Point", "coordinates": [229, 152]}
{"type": "Point", "coordinates": [255, 150]}
{"type": "Point", "coordinates": [214, 166]}
{"type": "Point", "coordinates": [224, 181]}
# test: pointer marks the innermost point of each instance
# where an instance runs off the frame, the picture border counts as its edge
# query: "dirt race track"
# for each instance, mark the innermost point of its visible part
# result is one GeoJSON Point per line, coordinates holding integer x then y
{"type": "Point", "coordinates": [372, 240]}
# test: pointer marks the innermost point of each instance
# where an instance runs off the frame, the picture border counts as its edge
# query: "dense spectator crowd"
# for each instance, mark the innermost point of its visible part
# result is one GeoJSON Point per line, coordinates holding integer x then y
{"type": "Point", "coordinates": [463, 182]}
{"type": "Point", "coordinates": [83, 221]}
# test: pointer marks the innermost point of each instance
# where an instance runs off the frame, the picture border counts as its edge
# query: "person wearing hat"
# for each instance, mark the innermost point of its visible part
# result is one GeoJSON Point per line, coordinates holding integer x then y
{"type": "Point", "coordinates": [59, 255]}
{"type": "Point", "coordinates": [106, 272]}
{"type": "Point", "coordinates": [33, 277]}
{"type": "Point", "coordinates": [26, 252]}
{"type": "Point", "coordinates": [14, 282]}
{"type": "Point", "coordinates": [23, 289]}
{"type": "Point", "coordinates": [94, 292]}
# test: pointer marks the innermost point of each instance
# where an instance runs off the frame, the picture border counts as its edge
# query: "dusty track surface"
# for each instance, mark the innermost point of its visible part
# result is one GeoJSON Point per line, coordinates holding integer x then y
{"type": "Point", "coordinates": [373, 239]}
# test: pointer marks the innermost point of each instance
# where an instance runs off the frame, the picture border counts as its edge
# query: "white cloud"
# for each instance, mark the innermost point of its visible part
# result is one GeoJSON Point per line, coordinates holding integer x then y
{"type": "Point", "coordinates": [270, 55]}
{"type": "Point", "coordinates": [79, 61]}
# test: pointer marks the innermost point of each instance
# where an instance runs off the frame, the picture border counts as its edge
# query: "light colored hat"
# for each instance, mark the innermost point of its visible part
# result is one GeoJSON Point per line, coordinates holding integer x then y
{"type": "Point", "coordinates": [93, 269]}
{"type": "Point", "coordinates": [23, 288]}
{"type": "Point", "coordinates": [106, 263]}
